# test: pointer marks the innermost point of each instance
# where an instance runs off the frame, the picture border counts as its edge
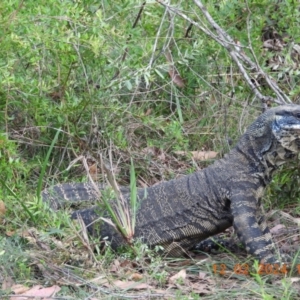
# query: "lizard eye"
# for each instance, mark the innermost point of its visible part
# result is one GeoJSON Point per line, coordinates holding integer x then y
{"type": "Point", "coordinates": [297, 115]}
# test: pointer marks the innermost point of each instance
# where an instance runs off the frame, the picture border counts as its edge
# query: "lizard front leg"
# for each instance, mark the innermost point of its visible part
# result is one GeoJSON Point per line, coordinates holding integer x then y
{"type": "Point", "coordinates": [252, 231]}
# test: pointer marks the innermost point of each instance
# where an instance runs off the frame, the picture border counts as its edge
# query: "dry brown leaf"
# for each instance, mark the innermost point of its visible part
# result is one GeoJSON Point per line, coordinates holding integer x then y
{"type": "Point", "coordinates": [2, 209]}
{"type": "Point", "coordinates": [174, 74]}
{"type": "Point", "coordinates": [93, 171]}
{"type": "Point", "coordinates": [115, 267]}
{"type": "Point", "coordinates": [7, 283]}
{"type": "Point", "coordinates": [10, 233]}
{"type": "Point", "coordinates": [19, 289]}
{"type": "Point", "coordinates": [181, 275]}
{"type": "Point", "coordinates": [36, 291]}
{"type": "Point", "coordinates": [176, 78]}
{"type": "Point", "coordinates": [204, 155]}
{"type": "Point", "coordinates": [127, 264]}
{"type": "Point", "coordinates": [136, 276]}
{"type": "Point", "coordinates": [199, 155]}
{"type": "Point", "coordinates": [148, 112]}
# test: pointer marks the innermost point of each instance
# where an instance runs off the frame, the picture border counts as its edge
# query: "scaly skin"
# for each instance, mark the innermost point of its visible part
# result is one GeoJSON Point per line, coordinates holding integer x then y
{"type": "Point", "coordinates": [179, 213]}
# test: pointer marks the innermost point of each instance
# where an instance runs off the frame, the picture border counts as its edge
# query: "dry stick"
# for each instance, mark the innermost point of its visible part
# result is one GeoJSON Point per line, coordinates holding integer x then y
{"type": "Point", "coordinates": [228, 43]}
{"type": "Point", "coordinates": [225, 44]}
{"type": "Point", "coordinates": [139, 15]}
{"type": "Point", "coordinates": [264, 105]}
{"type": "Point", "coordinates": [189, 29]}
{"type": "Point", "coordinates": [128, 39]}
{"type": "Point", "coordinates": [83, 236]}
{"type": "Point", "coordinates": [173, 72]}
{"type": "Point", "coordinates": [154, 48]}
{"type": "Point", "coordinates": [153, 51]}
{"type": "Point", "coordinates": [156, 40]}
{"type": "Point", "coordinates": [169, 38]}
{"type": "Point", "coordinates": [224, 36]}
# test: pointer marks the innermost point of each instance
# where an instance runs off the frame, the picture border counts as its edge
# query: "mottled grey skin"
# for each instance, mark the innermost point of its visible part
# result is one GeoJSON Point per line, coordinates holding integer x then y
{"type": "Point", "coordinates": [179, 213]}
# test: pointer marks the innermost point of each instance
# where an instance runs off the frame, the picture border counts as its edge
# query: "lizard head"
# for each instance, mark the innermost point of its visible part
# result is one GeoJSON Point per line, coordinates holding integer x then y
{"type": "Point", "coordinates": [285, 126]}
{"type": "Point", "coordinates": [277, 131]}
{"type": "Point", "coordinates": [274, 136]}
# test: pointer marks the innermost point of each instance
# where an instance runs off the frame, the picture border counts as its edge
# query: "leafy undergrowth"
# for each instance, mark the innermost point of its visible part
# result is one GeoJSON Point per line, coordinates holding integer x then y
{"type": "Point", "coordinates": [56, 256]}
{"type": "Point", "coordinates": [51, 255]}
{"type": "Point", "coordinates": [135, 80]}
{"type": "Point", "coordinates": [46, 264]}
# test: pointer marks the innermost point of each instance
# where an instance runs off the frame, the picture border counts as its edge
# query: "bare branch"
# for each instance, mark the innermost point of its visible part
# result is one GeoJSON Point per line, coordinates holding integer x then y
{"type": "Point", "coordinates": [138, 17]}
{"type": "Point", "coordinates": [235, 51]}
{"type": "Point", "coordinates": [156, 40]}
{"type": "Point", "coordinates": [282, 97]}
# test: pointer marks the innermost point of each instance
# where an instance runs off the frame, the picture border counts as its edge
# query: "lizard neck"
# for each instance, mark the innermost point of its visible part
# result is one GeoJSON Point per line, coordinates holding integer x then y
{"type": "Point", "coordinates": [263, 154]}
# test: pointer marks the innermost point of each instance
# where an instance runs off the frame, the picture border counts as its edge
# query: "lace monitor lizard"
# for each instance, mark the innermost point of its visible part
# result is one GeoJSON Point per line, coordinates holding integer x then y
{"type": "Point", "coordinates": [179, 213]}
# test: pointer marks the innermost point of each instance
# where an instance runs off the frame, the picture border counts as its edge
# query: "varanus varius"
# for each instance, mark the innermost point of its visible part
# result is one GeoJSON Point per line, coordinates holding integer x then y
{"type": "Point", "coordinates": [179, 213]}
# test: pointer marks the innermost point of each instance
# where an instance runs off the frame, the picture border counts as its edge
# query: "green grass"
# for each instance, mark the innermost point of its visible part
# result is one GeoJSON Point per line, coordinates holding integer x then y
{"type": "Point", "coordinates": [90, 79]}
